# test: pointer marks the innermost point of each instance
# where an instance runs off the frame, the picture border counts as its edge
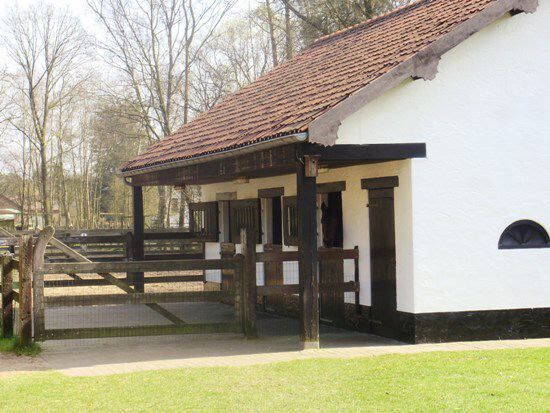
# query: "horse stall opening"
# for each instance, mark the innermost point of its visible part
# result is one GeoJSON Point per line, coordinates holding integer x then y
{"type": "Point", "coordinates": [93, 299]}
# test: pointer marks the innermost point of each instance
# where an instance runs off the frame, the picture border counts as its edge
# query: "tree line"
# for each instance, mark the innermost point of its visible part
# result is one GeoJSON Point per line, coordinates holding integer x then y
{"type": "Point", "coordinates": [75, 105]}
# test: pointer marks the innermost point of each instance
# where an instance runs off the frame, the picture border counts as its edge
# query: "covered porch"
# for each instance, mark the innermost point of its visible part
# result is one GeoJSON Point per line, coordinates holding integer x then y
{"type": "Point", "coordinates": [298, 234]}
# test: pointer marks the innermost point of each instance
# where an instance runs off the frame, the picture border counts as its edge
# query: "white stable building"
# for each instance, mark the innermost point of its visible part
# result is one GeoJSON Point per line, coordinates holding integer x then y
{"type": "Point", "coordinates": [421, 138]}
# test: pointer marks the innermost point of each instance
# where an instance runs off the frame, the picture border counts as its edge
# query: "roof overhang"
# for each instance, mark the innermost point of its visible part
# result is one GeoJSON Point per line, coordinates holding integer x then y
{"type": "Point", "coordinates": [272, 143]}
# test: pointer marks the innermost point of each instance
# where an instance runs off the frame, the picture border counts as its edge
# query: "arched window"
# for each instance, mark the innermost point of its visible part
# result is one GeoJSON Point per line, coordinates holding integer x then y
{"type": "Point", "coordinates": [524, 234]}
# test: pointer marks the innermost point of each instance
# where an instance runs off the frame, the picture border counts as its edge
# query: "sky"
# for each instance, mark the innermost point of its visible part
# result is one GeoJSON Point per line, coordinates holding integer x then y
{"type": "Point", "coordinates": [81, 10]}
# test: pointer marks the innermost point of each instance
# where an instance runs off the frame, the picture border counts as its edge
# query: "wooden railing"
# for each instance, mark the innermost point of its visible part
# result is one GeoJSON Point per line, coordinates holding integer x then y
{"type": "Point", "coordinates": [100, 245]}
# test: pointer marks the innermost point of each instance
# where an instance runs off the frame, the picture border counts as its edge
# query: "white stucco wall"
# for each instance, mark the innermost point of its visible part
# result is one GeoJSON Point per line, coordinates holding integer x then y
{"type": "Point", "coordinates": [486, 122]}
{"type": "Point", "coordinates": [356, 222]}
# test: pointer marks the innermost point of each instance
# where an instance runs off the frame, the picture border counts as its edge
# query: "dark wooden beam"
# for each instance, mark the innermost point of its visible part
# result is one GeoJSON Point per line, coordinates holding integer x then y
{"type": "Point", "coordinates": [380, 183]}
{"type": "Point", "coordinates": [269, 162]}
{"type": "Point", "coordinates": [307, 243]}
{"type": "Point", "coordinates": [366, 152]}
{"type": "Point", "coordinates": [271, 192]}
{"type": "Point", "coordinates": [138, 245]}
{"type": "Point", "coordinates": [329, 187]}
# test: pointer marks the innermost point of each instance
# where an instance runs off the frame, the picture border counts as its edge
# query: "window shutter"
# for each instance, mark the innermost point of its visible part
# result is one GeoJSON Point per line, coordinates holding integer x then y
{"type": "Point", "coordinates": [245, 214]}
{"type": "Point", "coordinates": [290, 221]}
{"type": "Point", "coordinates": [203, 220]}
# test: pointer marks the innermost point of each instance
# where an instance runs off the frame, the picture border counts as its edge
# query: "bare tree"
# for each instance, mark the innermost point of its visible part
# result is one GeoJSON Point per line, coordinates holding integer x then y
{"type": "Point", "coordinates": [322, 17]}
{"type": "Point", "coordinates": [154, 44]}
{"type": "Point", "coordinates": [47, 47]}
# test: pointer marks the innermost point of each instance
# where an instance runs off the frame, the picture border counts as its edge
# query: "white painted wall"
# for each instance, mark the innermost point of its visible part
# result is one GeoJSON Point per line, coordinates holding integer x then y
{"type": "Point", "coordinates": [486, 122]}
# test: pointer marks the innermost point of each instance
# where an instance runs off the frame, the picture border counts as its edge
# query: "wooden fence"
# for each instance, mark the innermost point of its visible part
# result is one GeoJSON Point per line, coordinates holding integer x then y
{"type": "Point", "coordinates": [36, 275]}
{"type": "Point", "coordinates": [105, 246]}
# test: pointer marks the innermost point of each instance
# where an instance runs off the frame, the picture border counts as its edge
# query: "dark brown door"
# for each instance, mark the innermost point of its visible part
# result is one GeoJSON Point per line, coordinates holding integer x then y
{"type": "Point", "coordinates": [383, 263]}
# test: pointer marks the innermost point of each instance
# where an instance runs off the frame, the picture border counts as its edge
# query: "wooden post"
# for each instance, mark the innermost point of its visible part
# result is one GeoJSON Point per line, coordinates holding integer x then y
{"type": "Point", "coordinates": [249, 289]}
{"type": "Point", "coordinates": [139, 229]}
{"type": "Point", "coordinates": [307, 244]}
{"type": "Point", "coordinates": [39, 318]}
{"type": "Point", "coordinates": [7, 268]}
{"type": "Point", "coordinates": [358, 309]}
{"type": "Point", "coordinates": [129, 252]}
{"type": "Point", "coordinates": [25, 290]}
{"type": "Point", "coordinates": [237, 285]}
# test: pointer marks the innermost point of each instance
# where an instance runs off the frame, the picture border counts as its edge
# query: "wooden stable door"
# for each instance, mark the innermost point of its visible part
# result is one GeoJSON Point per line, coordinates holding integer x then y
{"type": "Point", "coordinates": [384, 314]}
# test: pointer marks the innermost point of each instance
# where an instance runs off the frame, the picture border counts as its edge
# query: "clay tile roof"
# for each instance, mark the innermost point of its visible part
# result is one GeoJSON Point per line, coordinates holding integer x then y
{"type": "Point", "coordinates": [287, 99]}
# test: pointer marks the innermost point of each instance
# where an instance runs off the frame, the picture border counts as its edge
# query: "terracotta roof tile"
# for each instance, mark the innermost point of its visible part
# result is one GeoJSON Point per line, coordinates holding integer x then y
{"type": "Point", "coordinates": [287, 99]}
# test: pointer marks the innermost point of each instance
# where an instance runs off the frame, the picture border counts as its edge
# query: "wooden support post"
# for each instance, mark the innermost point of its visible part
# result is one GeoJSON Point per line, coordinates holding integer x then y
{"type": "Point", "coordinates": [139, 229]}
{"type": "Point", "coordinates": [39, 319]}
{"type": "Point", "coordinates": [129, 252]}
{"type": "Point", "coordinates": [358, 309]}
{"type": "Point", "coordinates": [237, 285]}
{"type": "Point", "coordinates": [25, 290]}
{"type": "Point", "coordinates": [307, 245]}
{"type": "Point", "coordinates": [249, 289]}
{"type": "Point", "coordinates": [8, 266]}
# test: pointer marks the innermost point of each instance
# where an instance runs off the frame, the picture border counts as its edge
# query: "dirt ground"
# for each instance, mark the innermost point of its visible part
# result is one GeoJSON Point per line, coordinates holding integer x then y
{"type": "Point", "coordinates": [11, 364]}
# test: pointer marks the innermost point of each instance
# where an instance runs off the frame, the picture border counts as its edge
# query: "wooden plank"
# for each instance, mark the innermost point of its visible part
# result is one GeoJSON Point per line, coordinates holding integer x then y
{"type": "Point", "coordinates": [273, 290]}
{"type": "Point", "coordinates": [8, 295]}
{"type": "Point", "coordinates": [288, 289]}
{"type": "Point", "coordinates": [146, 266]}
{"type": "Point", "coordinates": [380, 183]}
{"type": "Point", "coordinates": [136, 298]}
{"type": "Point", "coordinates": [329, 187]}
{"type": "Point", "coordinates": [367, 152]}
{"type": "Point", "coordinates": [323, 255]}
{"type": "Point", "coordinates": [101, 282]}
{"type": "Point", "coordinates": [271, 192]}
{"type": "Point", "coordinates": [273, 275]}
{"type": "Point", "coordinates": [277, 256]}
{"type": "Point", "coordinates": [336, 254]}
{"type": "Point", "coordinates": [105, 332]}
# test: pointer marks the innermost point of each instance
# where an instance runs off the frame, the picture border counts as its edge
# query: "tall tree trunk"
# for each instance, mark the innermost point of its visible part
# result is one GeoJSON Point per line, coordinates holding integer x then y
{"type": "Point", "coordinates": [46, 206]}
{"type": "Point", "coordinates": [289, 48]}
{"type": "Point", "coordinates": [161, 218]}
{"type": "Point", "coordinates": [271, 24]}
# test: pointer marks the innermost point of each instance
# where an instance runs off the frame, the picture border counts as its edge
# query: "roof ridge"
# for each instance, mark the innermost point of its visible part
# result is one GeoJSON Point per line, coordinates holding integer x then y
{"type": "Point", "coordinates": [374, 19]}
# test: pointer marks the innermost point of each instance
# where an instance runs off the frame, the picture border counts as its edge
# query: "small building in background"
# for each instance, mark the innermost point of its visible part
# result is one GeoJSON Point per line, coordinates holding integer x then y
{"type": "Point", "coordinates": [10, 213]}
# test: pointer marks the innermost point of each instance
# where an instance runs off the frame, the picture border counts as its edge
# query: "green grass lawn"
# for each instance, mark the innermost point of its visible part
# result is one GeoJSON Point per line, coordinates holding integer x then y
{"type": "Point", "coordinates": [500, 380]}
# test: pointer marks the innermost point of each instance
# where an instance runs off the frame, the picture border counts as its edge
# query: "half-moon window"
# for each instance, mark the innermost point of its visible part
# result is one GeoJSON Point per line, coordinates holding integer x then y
{"type": "Point", "coordinates": [524, 234]}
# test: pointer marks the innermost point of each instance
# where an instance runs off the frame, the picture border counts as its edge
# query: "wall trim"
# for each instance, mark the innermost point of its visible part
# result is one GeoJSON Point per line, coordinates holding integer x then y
{"type": "Point", "coordinates": [380, 183]}
{"type": "Point", "coordinates": [329, 187]}
{"type": "Point", "coordinates": [271, 192]}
